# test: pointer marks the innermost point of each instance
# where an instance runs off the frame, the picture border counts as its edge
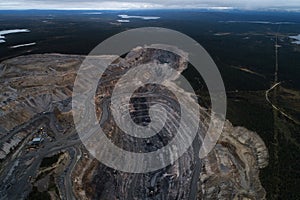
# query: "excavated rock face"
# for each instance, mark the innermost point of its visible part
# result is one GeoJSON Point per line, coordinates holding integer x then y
{"type": "Point", "coordinates": [34, 84]}
{"type": "Point", "coordinates": [230, 170]}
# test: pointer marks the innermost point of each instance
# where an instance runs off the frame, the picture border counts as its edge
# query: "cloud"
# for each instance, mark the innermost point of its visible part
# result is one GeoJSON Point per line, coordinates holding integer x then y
{"type": "Point", "coordinates": [149, 4]}
{"type": "Point", "coordinates": [75, 4]}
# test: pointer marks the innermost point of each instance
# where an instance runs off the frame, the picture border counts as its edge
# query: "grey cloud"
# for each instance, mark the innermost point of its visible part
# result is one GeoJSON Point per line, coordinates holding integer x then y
{"type": "Point", "coordinates": [98, 4]}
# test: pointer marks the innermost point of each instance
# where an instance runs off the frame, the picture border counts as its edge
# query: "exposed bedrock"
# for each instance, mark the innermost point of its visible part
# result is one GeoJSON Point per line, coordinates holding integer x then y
{"type": "Point", "coordinates": [35, 84]}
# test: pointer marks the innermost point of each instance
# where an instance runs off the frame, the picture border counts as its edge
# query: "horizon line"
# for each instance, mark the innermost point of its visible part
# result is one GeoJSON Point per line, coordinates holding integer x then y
{"type": "Point", "coordinates": [122, 9]}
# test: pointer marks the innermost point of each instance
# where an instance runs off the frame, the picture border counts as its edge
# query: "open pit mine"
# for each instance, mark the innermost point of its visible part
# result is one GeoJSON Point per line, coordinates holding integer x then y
{"type": "Point", "coordinates": [41, 154]}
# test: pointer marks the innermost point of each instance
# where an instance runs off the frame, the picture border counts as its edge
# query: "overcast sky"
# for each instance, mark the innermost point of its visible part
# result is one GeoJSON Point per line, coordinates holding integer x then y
{"type": "Point", "coordinates": [135, 4]}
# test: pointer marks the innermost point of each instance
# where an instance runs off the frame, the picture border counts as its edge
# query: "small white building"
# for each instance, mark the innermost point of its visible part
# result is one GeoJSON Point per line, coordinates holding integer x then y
{"type": "Point", "coordinates": [37, 140]}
